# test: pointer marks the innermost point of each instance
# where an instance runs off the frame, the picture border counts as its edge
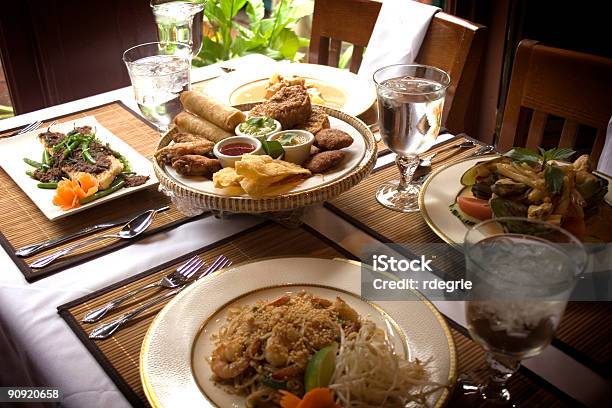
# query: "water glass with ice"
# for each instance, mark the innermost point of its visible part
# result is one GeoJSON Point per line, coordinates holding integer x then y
{"type": "Point", "coordinates": [523, 272]}
{"type": "Point", "coordinates": [159, 73]}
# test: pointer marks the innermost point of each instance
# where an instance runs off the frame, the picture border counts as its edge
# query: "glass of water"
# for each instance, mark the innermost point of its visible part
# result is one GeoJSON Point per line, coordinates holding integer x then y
{"type": "Point", "coordinates": [410, 102]}
{"type": "Point", "coordinates": [179, 21]}
{"type": "Point", "coordinates": [523, 272]}
{"type": "Point", "coordinates": [159, 73]}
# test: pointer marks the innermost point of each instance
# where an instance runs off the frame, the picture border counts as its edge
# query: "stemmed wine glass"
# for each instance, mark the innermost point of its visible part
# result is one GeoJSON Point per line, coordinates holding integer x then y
{"type": "Point", "coordinates": [410, 102]}
{"type": "Point", "coordinates": [179, 21]}
{"type": "Point", "coordinates": [523, 272]}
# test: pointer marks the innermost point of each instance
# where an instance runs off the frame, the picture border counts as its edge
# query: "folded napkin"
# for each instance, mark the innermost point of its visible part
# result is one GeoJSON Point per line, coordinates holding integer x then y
{"type": "Point", "coordinates": [397, 35]}
{"type": "Point", "coordinates": [605, 160]}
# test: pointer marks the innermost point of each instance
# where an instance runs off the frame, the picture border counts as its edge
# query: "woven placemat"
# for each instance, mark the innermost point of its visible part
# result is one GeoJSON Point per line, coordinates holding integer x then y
{"type": "Point", "coordinates": [24, 224]}
{"type": "Point", "coordinates": [119, 355]}
{"type": "Point", "coordinates": [586, 327]}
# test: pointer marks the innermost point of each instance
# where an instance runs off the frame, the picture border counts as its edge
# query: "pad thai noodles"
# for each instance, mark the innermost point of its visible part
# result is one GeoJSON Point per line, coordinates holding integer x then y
{"type": "Point", "coordinates": [283, 349]}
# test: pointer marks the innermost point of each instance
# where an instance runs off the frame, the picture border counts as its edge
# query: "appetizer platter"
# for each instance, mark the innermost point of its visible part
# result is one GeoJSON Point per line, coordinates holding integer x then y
{"type": "Point", "coordinates": [288, 153]}
{"type": "Point", "coordinates": [540, 185]}
{"type": "Point", "coordinates": [233, 348]}
{"type": "Point", "coordinates": [73, 166]}
{"type": "Point", "coordinates": [327, 86]}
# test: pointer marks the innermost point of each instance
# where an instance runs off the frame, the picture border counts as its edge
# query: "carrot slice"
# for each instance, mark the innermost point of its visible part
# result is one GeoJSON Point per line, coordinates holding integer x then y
{"type": "Point", "coordinates": [85, 185]}
{"type": "Point", "coordinates": [65, 196]}
{"type": "Point", "coordinates": [289, 400]}
{"type": "Point", "coordinates": [318, 398]}
{"type": "Point", "coordinates": [315, 398]}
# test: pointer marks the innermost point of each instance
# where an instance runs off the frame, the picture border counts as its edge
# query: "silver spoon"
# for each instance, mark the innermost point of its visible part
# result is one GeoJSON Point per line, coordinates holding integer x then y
{"type": "Point", "coordinates": [132, 229]}
{"type": "Point", "coordinates": [426, 162]}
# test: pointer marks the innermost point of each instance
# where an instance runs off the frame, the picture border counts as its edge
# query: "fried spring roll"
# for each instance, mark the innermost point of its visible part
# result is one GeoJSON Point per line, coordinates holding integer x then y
{"type": "Point", "coordinates": [207, 107]}
{"type": "Point", "coordinates": [189, 123]}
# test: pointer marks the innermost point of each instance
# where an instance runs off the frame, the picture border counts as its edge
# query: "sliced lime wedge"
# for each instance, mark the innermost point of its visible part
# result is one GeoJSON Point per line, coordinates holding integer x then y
{"type": "Point", "coordinates": [321, 367]}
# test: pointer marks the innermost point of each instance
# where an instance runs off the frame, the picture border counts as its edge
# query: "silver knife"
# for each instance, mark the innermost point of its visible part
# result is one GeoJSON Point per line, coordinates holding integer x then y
{"type": "Point", "coordinates": [36, 248]}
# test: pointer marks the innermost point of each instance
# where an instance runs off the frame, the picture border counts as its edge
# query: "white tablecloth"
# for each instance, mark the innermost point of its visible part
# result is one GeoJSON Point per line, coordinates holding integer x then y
{"type": "Point", "coordinates": [37, 348]}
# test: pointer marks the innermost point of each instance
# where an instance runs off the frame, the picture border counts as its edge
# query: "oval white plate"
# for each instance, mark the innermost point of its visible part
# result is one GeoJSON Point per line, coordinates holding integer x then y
{"type": "Point", "coordinates": [173, 366]}
{"type": "Point", "coordinates": [438, 193]}
{"type": "Point", "coordinates": [359, 94]}
{"type": "Point", "coordinates": [353, 156]}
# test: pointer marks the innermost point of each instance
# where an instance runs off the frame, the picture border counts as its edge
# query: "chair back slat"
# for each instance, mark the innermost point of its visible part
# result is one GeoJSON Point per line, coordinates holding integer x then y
{"type": "Point", "coordinates": [335, 49]}
{"type": "Point", "coordinates": [356, 58]}
{"type": "Point", "coordinates": [536, 129]}
{"type": "Point", "coordinates": [561, 83]}
{"type": "Point", "coordinates": [569, 134]}
{"type": "Point", "coordinates": [451, 44]}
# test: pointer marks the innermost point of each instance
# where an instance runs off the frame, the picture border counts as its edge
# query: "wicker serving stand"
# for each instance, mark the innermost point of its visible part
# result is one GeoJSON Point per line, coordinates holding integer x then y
{"type": "Point", "coordinates": [285, 208]}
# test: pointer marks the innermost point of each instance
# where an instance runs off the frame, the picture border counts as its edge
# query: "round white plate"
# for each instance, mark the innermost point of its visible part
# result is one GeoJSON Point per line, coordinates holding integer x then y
{"type": "Point", "coordinates": [438, 193]}
{"type": "Point", "coordinates": [357, 94]}
{"type": "Point", "coordinates": [173, 366]}
{"type": "Point", "coordinates": [353, 156]}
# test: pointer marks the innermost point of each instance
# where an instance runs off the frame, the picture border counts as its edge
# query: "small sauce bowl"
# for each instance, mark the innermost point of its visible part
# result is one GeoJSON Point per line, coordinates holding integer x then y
{"type": "Point", "coordinates": [299, 151]}
{"type": "Point", "coordinates": [261, 135]}
{"type": "Point", "coordinates": [230, 150]}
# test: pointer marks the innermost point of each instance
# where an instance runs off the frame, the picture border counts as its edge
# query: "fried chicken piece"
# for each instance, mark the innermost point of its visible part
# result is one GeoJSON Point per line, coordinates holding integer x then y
{"type": "Point", "coordinates": [198, 147]}
{"type": "Point", "coordinates": [333, 139]}
{"type": "Point", "coordinates": [277, 81]}
{"type": "Point", "coordinates": [184, 137]}
{"type": "Point", "coordinates": [317, 121]}
{"type": "Point", "coordinates": [290, 106]}
{"type": "Point", "coordinates": [324, 161]}
{"type": "Point", "coordinates": [194, 165]}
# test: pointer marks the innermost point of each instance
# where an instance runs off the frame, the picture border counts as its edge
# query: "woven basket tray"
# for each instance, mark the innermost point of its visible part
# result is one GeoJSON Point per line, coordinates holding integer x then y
{"type": "Point", "coordinates": [283, 202]}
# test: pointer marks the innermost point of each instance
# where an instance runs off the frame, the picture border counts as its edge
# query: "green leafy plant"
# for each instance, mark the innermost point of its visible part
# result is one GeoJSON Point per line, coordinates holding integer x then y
{"type": "Point", "coordinates": [553, 175]}
{"type": "Point", "coordinates": [273, 36]}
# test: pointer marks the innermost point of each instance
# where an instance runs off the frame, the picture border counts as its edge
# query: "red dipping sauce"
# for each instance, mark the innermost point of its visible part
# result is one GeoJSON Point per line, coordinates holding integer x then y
{"type": "Point", "coordinates": [236, 149]}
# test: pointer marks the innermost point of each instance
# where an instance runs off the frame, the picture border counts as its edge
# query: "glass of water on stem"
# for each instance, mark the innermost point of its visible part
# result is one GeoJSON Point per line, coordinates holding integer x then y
{"type": "Point", "coordinates": [179, 21]}
{"type": "Point", "coordinates": [410, 102]}
{"type": "Point", "coordinates": [523, 272]}
{"type": "Point", "coordinates": [159, 73]}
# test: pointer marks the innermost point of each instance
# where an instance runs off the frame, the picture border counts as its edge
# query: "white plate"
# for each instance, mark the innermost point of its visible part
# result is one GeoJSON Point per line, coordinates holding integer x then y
{"type": "Point", "coordinates": [353, 156]}
{"type": "Point", "coordinates": [358, 94]}
{"type": "Point", "coordinates": [438, 193]}
{"type": "Point", "coordinates": [15, 148]}
{"type": "Point", "coordinates": [173, 366]}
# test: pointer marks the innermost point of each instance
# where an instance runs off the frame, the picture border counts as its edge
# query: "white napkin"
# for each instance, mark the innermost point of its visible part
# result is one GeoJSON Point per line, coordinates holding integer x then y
{"type": "Point", "coordinates": [397, 35]}
{"type": "Point", "coordinates": [605, 160]}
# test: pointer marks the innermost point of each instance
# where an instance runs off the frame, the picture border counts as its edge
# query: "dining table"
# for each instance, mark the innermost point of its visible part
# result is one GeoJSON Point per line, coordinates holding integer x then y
{"type": "Point", "coordinates": [38, 348]}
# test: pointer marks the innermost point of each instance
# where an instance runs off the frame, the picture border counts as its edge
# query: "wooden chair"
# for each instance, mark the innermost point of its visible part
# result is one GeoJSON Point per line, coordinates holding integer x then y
{"type": "Point", "coordinates": [567, 84]}
{"type": "Point", "coordinates": [451, 44]}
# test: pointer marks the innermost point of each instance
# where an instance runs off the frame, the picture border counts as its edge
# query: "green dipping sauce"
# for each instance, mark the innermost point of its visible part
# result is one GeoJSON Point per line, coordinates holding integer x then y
{"type": "Point", "coordinates": [258, 126]}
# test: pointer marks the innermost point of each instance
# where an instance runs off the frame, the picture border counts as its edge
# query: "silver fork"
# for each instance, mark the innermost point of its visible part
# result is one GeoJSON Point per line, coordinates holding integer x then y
{"type": "Point", "coordinates": [107, 329]}
{"type": "Point", "coordinates": [32, 126]}
{"type": "Point", "coordinates": [172, 280]}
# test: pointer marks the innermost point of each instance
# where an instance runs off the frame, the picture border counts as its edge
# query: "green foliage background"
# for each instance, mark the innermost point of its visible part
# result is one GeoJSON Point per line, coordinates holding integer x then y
{"type": "Point", "coordinates": [273, 36]}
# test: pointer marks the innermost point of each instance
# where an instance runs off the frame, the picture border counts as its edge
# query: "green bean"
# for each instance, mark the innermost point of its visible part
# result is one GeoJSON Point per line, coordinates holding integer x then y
{"type": "Point", "coordinates": [50, 186]}
{"type": "Point", "coordinates": [85, 150]}
{"type": "Point", "coordinates": [46, 158]}
{"type": "Point", "coordinates": [126, 164]}
{"type": "Point", "coordinates": [32, 163]}
{"type": "Point", "coordinates": [31, 174]}
{"type": "Point", "coordinates": [71, 147]}
{"type": "Point", "coordinates": [61, 144]}
{"type": "Point", "coordinates": [115, 185]}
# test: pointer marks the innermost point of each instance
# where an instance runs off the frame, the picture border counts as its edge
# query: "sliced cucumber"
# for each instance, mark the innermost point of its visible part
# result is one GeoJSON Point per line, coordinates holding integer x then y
{"type": "Point", "coordinates": [463, 217]}
{"type": "Point", "coordinates": [469, 177]}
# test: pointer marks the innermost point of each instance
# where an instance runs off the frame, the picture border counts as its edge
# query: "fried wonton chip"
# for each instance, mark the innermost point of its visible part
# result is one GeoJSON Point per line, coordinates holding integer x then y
{"type": "Point", "coordinates": [262, 175]}
{"type": "Point", "coordinates": [226, 177]}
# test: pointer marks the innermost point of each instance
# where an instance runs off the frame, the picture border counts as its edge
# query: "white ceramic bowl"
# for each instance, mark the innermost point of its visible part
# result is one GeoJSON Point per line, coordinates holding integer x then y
{"type": "Point", "coordinates": [228, 161]}
{"type": "Point", "coordinates": [299, 153]}
{"type": "Point", "coordinates": [262, 137]}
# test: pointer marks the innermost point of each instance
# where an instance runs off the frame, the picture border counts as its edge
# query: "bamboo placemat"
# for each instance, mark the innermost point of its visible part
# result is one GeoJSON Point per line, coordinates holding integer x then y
{"type": "Point", "coordinates": [119, 355]}
{"type": "Point", "coordinates": [22, 223]}
{"type": "Point", "coordinates": [586, 327]}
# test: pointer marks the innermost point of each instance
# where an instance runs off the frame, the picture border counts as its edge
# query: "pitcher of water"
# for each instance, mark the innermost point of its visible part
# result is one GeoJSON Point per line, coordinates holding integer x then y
{"type": "Point", "coordinates": [179, 22]}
